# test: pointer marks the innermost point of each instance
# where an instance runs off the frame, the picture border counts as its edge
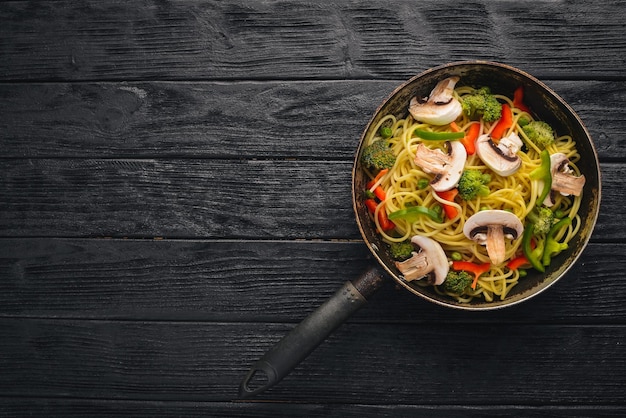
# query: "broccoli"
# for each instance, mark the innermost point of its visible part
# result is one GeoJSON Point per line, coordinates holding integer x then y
{"type": "Point", "coordinates": [543, 219]}
{"type": "Point", "coordinates": [473, 183]}
{"type": "Point", "coordinates": [523, 121]}
{"type": "Point", "coordinates": [540, 133]}
{"type": "Point", "coordinates": [482, 104]}
{"type": "Point", "coordinates": [401, 250]}
{"type": "Point", "coordinates": [457, 281]}
{"type": "Point", "coordinates": [378, 155]}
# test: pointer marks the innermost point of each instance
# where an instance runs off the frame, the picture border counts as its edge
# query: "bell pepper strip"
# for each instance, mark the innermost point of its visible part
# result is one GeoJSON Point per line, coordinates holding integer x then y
{"type": "Point", "coordinates": [380, 193]}
{"type": "Point", "coordinates": [371, 205]}
{"type": "Point", "coordinates": [449, 195]}
{"type": "Point", "coordinates": [531, 256]}
{"type": "Point", "coordinates": [411, 213]}
{"type": "Point", "coordinates": [504, 123]}
{"type": "Point", "coordinates": [476, 269]}
{"type": "Point", "coordinates": [380, 174]}
{"type": "Point", "coordinates": [383, 219]}
{"type": "Point", "coordinates": [518, 262]}
{"type": "Point", "coordinates": [543, 173]}
{"type": "Point", "coordinates": [374, 185]}
{"type": "Point", "coordinates": [518, 100]}
{"type": "Point", "coordinates": [469, 140]}
{"type": "Point", "coordinates": [438, 136]}
{"type": "Point", "coordinates": [552, 247]}
{"type": "Point", "coordinates": [376, 181]}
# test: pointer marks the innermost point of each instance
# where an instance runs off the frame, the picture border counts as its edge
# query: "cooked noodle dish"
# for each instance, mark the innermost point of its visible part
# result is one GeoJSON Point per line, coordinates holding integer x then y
{"type": "Point", "coordinates": [471, 190]}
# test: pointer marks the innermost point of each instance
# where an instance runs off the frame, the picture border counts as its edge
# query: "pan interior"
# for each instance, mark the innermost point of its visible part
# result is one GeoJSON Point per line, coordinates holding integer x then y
{"type": "Point", "coordinates": [547, 106]}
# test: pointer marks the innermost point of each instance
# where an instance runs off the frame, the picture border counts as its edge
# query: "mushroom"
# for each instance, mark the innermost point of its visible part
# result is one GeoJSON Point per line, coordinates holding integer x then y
{"type": "Point", "coordinates": [440, 107]}
{"type": "Point", "coordinates": [446, 167]}
{"type": "Point", "coordinates": [563, 179]}
{"type": "Point", "coordinates": [491, 228]}
{"type": "Point", "coordinates": [502, 158]}
{"type": "Point", "coordinates": [431, 261]}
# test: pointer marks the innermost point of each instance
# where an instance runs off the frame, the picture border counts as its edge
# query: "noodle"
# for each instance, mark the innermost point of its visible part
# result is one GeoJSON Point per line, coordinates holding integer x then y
{"type": "Point", "coordinates": [516, 193]}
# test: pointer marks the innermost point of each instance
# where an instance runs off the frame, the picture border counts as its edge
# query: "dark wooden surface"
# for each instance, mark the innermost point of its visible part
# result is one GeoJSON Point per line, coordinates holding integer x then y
{"type": "Point", "coordinates": [175, 197]}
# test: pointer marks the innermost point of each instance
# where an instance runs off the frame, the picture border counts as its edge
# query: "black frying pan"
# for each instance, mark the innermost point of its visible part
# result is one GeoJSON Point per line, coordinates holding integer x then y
{"type": "Point", "coordinates": [502, 79]}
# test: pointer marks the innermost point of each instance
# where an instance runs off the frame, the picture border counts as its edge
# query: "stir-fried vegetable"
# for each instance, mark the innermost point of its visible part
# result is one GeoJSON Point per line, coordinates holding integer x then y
{"type": "Point", "coordinates": [481, 104]}
{"type": "Point", "coordinates": [439, 136]}
{"type": "Point", "coordinates": [531, 255]}
{"type": "Point", "coordinates": [540, 133]}
{"type": "Point", "coordinates": [411, 213]}
{"type": "Point", "coordinates": [553, 247]}
{"type": "Point", "coordinates": [476, 269]}
{"type": "Point", "coordinates": [505, 122]}
{"type": "Point", "coordinates": [544, 174]}
{"type": "Point", "coordinates": [473, 183]}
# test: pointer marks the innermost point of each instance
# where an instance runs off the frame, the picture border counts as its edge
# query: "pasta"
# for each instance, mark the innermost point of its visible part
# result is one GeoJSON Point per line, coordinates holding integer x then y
{"type": "Point", "coordinates": [517, 193]}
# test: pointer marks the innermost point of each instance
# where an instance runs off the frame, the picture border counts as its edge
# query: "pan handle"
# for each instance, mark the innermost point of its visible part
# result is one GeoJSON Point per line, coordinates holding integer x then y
{"type": "Point", "coordinates": [311, 332]}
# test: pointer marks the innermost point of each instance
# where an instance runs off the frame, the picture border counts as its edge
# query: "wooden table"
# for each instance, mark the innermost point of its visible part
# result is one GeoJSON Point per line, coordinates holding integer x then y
{"type": "Point", "coordinates": [175, 197]}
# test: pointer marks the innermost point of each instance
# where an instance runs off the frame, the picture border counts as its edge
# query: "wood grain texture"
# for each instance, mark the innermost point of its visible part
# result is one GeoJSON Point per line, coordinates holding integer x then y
{"type": "Point", "coordinates": [102, 408]}
{"type": "Point", "coordinates": [363, 364]}
{"type": "Point", "coordinates": [306, 120]}
{"type": "Point", "coordinates": [258, 199]}
{"type": "Point", "coordinates": [175, 197]}
{"type": "Point", "coordinates": [64, 40]}
{"type": "Point", "coordinates": [184, 198]}
{"type": "Point", "coordinates": [260, 281]}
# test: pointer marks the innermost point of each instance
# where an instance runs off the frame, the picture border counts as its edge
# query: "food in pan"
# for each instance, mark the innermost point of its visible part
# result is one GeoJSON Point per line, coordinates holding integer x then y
{"type": "Point", "coordinates": [471, 189]}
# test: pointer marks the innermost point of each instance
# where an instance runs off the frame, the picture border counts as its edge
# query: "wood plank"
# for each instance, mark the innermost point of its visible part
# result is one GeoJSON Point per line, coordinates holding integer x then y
{"type": "Point", "coordinates": [260, 199]}
{"type": "Point", "coordinates": [95, 408]}
{"type": "Point", "coordinates": [199, 198]}
{"type": "Point", "coordinates": [260, 281]}
{"type": "Point", "coordinates": [192, 39]}
{"type": "Point", "coordinates": [233, 120]}
{"type": "Point", "coordinates": [378, 364]}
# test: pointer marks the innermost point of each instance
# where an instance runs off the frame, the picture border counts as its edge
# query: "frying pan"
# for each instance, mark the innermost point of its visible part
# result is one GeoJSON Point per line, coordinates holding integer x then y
{"type": "Point", "coordinates": [502, 79]}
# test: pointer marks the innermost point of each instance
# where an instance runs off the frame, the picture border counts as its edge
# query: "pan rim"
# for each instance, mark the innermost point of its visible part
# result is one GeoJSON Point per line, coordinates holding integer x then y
{"type": "Point", "coordinates": [548, 281]}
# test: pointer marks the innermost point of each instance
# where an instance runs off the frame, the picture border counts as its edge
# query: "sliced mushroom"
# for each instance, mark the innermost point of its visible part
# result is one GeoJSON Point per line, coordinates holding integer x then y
{"type": "Point", "coordinates": [502, 158]}
{"type": "Point", "coordinates": [430, 261]}
{"type": "Point", "coordinates": [446, 167]}
{"type": "Point", "coordinates": [440, 107]}
{"type": "Point", "coordinates": [563, 179]}
{"type": "Point", "coordinates": [491, 228]}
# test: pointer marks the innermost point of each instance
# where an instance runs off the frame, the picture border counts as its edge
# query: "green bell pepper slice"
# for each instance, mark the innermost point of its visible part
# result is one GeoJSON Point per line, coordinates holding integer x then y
{"type": "Point", "coordinates": [532, 257]}
{"type": "Point", "coordinates": [439, 136]}
{"type": "Point", "coordinates": [411, 213]}
{"type": "Point", "coordinates": [552, 247]}
{"type": "Point", "coordinates": [543, 172]}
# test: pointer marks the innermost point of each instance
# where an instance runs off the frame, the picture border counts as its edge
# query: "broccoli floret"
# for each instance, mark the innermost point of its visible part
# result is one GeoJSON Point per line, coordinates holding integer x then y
{"type": "Point", "coordinates": [543, 219]}
{"type": "Point", "coordinates": [482, 104]}
{"type": "Point", "coordinates": [401, 250]}
{"type": "Point", "coordinates": [523, 121]}
{"type": "Point", "coordinates": [378, 155]}
{"type": "Point", "coordinates": [473, 183]}
{"type": "Point", "coordinates": [457, 281]}
{"type": "Point", "coordinates": [540, 133]}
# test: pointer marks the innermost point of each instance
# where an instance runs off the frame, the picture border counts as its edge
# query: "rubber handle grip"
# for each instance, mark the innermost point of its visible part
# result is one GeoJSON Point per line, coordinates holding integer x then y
{"type": "Point", "coordinates": [308, 334]}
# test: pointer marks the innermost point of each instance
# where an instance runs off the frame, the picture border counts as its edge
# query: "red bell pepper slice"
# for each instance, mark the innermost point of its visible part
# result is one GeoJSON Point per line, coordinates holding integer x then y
{"type": "Point", "coordinates": [518, 100]}
{"type": "Point", "coordinates": [517, 262]}
{"type": "Point", "coordinates": [504, 123]}
{"type": "Point", "coordinates": [449, 195]}
{"type": "Point", "coordinates": [383, 219]}
{"type": "Point", "coordinates": [469, 140]}
{"type": "Point", "coordinates": [475, 269]}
